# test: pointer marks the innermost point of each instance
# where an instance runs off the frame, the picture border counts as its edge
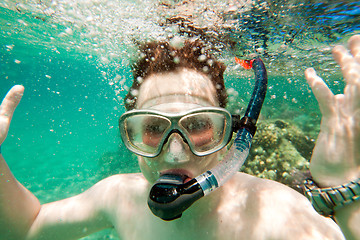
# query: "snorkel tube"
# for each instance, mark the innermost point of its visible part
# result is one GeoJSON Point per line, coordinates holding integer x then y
{"type": "Point", "coordinates": [169, 197]}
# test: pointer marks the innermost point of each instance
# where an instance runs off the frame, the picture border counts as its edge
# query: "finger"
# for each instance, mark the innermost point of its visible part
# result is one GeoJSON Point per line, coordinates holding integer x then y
{"type": "Point", "coordinates": [348, 64]}
{"type": "Point", "coordinates": [352, 96]}
{"type": "Point", "coordinates": [354, 45]}
{"type": "Point", "coordinates": [11, 101]}
{"type": "Point", "coordinates": [340, 100]}
{"type": "Point", "coordinates": [321, 91]}
{"type": "Point", "coordinates": [340, 104]}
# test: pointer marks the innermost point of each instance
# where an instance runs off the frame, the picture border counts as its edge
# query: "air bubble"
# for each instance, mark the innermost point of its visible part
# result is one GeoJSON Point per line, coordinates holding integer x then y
{"type": "Point", "coordinates": [205, 69]}
{"type": "Point", "coordinates": [230, 91]}
{"type": "Point", "coordinates": [176, 60]}
{"type": "Point", "coordinates": [202, 58]}
{"type": "Point", "coordinates": [129, 101]}
{"type": "Point", "coordinates": [117, 78]}
{"type": "Point", "coordinates": [10, 47]}
{"type": "Point", "coordinates": [69, 31]}
{"type": "Point", "coordinates": [139, 79]}
{"type": "Point", "coordinates": [177, 42]}
{"type": "Point", "coordinates": [134, 92]}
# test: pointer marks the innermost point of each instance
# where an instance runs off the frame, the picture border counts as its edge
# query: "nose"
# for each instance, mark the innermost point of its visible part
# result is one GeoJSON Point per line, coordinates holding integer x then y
{"type": "Point", "coordinates": [177, 150]}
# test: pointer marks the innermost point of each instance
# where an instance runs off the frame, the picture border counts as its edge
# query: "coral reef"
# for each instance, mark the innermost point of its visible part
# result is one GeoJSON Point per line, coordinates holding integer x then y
{"type": "Point", "coordinates": [280, 151]}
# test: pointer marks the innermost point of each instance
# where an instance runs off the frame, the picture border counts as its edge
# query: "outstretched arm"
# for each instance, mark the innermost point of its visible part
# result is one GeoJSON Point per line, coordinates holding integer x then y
{"type": "Point", "coordinates": [18, 207]}
{"type": "Point", "coordinates": [74, 217]}
{"type": "Point", "coordinates": [22, 217]}
{"type": "Point", "coordinates": [336, 156]}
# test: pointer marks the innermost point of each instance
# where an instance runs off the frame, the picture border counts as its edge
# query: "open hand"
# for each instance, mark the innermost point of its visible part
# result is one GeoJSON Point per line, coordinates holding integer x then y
{"type": "Point", "coordinates": [336, 156]}
{"type": "Point", "coordinates": [7, 109]}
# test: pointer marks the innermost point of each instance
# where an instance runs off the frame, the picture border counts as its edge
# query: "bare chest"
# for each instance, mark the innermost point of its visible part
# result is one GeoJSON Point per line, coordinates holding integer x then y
{"type": "Point", "coordinates": [139, 223]}
{"type": "Point", "coordinates": [254, 213]}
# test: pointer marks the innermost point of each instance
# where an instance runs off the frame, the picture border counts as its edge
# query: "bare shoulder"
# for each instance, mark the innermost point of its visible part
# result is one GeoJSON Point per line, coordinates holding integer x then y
{"type": "Point", "coordinates": [121, 184]}
{"type": "Point", "coordinates": [111, 193]}
{"type": "Point", "coordinates": [275, 209]}
{"type": "Point", "coordinates": [123, 179]}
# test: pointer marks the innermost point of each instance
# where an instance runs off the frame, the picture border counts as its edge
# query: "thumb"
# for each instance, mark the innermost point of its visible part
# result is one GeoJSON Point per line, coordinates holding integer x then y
{"type": "Point", "coordinates": [7, 109]}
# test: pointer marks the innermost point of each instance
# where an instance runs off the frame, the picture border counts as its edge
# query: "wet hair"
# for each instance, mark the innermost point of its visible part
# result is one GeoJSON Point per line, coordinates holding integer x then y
{"type": "Point", "coordinates": [158, 57]}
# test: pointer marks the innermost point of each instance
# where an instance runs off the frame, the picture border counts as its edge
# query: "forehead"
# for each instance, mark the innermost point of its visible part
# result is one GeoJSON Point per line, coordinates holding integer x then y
{"type": "Point", "coordinates": [182, 86]}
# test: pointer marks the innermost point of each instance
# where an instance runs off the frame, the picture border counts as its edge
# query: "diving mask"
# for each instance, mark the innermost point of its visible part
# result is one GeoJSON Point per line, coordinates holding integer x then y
{"type": "Point", "coordinates": [205, 129]}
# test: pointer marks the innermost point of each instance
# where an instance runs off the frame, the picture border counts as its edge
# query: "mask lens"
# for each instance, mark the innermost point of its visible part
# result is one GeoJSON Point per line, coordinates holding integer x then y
{"type": "Point", "coordinates": [145, 131]}
{"type": "Point", "coordinates": [205, 130]}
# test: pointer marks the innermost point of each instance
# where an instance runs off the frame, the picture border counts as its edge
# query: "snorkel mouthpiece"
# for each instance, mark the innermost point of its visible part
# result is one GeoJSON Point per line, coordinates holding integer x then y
{"type": "Point", "coordinates": [170, 196]}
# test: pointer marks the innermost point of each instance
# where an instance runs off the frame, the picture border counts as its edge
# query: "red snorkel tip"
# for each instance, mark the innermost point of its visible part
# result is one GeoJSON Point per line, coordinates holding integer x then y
{"type": "Point", "coordinates": [247, 64]}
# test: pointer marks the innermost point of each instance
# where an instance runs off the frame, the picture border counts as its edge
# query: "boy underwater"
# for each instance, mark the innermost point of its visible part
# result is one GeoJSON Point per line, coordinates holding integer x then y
{"type": "Point", "coordinates": [171, 86]}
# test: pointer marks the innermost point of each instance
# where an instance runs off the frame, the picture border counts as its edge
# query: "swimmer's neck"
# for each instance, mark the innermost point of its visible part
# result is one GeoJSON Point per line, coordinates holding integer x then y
{"type": "Point", "coordinates": [207, 206]}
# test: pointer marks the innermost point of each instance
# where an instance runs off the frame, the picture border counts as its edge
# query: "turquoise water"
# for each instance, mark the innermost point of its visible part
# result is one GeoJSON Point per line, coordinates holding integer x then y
{"type": "Point", "coordinates": [64, 135]}
{"type": "Point", "coordinates": [66, 122]}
